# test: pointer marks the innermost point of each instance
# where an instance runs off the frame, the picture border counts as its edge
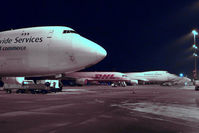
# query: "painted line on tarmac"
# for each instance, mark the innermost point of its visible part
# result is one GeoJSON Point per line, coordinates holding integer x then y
{"type": "Point", "coordinates": [72, 91]}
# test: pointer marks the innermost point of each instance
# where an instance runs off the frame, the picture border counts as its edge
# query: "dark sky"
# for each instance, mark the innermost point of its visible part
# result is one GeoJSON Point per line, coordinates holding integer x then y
{"type": "Point", "coordinates": [139, 35]}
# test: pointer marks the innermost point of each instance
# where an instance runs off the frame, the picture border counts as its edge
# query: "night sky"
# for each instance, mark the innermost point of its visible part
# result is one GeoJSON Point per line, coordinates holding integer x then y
{"type": "Point", "coordinates": [138, 35]}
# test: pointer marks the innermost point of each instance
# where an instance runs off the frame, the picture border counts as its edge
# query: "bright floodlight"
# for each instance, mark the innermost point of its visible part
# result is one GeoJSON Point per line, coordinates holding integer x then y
{"type": "Point", "coordinates": [194, 32]}
{"type": "Point", "coordinates": [181, 75]}
{"type": "Point", "coordinates": [194, 46]}
{"type": "Point", "coordinates": [194, 54]}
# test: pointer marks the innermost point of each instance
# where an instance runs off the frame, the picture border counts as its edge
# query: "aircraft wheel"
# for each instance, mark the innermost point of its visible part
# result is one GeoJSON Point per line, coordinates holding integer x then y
{"type": "Point", "coordinates": [22, 91]}
{"type": "Point", "coordinates": [32, 91]}
{"type": "Point", "coordinates": [8, 91]}
{"type": "Point", "coordinates": [18, 91]}
{"type": "Point", "coordinates": [44, 91]}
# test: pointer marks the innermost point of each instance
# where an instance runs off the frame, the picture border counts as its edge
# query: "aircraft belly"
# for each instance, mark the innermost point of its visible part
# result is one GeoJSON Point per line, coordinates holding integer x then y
{"type": "Point", "coordinates": [12, 66]}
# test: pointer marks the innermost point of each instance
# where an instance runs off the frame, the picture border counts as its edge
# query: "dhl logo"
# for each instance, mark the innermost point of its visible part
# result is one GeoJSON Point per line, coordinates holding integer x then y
{"type": "Point", "coordinates": [104, 76]}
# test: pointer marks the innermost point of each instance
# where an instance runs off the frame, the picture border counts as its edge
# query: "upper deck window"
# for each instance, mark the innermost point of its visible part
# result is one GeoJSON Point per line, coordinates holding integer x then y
{"type": "Point", "coordinates": [69, 31]}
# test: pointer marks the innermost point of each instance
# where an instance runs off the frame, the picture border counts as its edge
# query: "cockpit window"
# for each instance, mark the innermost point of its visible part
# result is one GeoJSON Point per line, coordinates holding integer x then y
{"type": "Point", "coordinates": [69, 31]}
{"type": "Point", "coordinates": [124, 75]}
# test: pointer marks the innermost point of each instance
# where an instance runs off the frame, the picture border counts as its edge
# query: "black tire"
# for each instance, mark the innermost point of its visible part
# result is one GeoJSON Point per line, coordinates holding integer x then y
{"type": "Point", "coordinates": [9, 91]}
{"type": "Point", "coordinates": [44, 91]}
{"type": "Point", "coordinates": [18, 91]}
{"type": "Point", "coordinates": [196, 88]}
{"type": "Point", "coordinates": [32, 91]}
{"type": "Point", "coordinates": [22, 91]}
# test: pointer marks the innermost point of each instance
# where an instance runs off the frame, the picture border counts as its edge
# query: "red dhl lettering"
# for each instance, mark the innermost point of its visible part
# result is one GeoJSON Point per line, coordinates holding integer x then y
{"type": "Point", "coordinates": [98, 76]}
{"type": "Point", "coordinates": [104, 76]}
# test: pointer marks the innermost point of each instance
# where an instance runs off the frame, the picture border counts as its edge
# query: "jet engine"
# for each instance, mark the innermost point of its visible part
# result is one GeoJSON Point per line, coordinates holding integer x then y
{"type": "Point", "coordinates": [134, 82]}
{"type": "Point", "coordinates": [81, 81]}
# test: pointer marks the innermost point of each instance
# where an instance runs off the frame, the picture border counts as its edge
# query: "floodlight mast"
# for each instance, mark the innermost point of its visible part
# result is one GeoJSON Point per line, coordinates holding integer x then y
{"type": "Point", "coordinates": [195, 33]}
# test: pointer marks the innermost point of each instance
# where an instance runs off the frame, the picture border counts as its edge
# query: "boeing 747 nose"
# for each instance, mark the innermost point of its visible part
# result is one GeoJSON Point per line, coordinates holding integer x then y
{"type": "Point", "coordinates": [87, 53]}
{"type": "Point", "coordinates": [100, 51]}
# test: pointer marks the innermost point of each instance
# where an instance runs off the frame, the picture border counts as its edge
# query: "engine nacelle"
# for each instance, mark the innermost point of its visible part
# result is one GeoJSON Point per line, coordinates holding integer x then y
{"type": "Point", "coordinates": [167, 84]}
{"type": "Point", "coordinates": [81, 81]}
{"type": "Point", "coordinates": [134, 82]}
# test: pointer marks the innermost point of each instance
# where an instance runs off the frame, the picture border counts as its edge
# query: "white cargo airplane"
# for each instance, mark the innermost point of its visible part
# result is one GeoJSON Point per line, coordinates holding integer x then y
{"type": "Point", "coordinates": [178, 81]}
{"type": "Point", "coordinates": [82, 78]}
{"type": "Point", "coordinates": [50, 50]}
{"type": "Point", "coordinates": [151, 76]}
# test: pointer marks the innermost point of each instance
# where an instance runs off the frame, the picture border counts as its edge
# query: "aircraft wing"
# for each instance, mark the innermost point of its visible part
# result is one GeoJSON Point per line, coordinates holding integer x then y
{"type": "Point", "coordinates": [142, 79]}
{"type": "Point", "coordinates": [72, 78]}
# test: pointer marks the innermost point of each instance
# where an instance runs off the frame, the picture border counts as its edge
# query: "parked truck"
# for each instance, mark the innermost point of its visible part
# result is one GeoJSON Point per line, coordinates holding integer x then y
{"type": "Point", "coordinates": [196, 83]}
{"type": "Point", "coordinates": [29, 86]}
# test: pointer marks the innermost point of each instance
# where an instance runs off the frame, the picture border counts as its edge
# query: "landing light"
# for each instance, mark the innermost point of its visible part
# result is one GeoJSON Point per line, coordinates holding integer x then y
{"type": "Point", "coordinates": [194, 32]}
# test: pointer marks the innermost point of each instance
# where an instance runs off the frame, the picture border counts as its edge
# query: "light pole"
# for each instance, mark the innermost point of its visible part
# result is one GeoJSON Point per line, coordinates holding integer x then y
{"type": "Point", "coordinates": [195, 33]}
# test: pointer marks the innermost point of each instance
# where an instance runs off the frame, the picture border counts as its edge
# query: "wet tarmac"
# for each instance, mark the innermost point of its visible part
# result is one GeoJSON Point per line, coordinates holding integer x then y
{"type": "Point", "coordinates": [102, 109]}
